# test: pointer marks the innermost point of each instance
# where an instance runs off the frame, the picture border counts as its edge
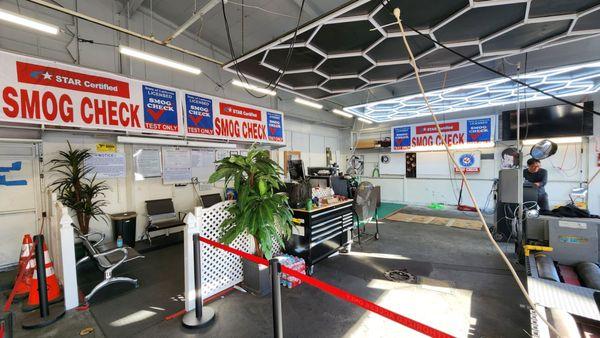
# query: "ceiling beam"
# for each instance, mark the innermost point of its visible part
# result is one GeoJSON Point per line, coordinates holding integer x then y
{"type": "Point", "coordinates": [133, 6]}
{"type": "Point", "coordinates": [197, 16]}
{"type": "Point", "coordinates": [308, 8]}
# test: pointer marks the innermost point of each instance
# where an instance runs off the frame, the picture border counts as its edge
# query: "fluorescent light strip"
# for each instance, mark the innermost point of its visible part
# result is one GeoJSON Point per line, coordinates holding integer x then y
{"type": "Point", "coordinates": [173, 142]}
{"type": "Point", "coordinates": [365, 120]}
{"type": "Point", "coordinates": [28, 22]}
{"type": "Point", "coordinates": [253, 87]}
{"type": "Point", "coordinates": [342, 113]}
{"type": "Point", "coordinates": [465, 146]}
{"type": "Point", "coordinates": [138, 54]}
{"type": "Point", "coordinates": [557, 140]}
{"type": "Point", "coordinates": [308, 103]}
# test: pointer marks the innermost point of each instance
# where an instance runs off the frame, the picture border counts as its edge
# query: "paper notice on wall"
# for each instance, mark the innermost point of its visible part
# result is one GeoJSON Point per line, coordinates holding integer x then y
{"type": "Point", "coordinates": [177, 165]}
{"type": "Point", "coordinates": [221, 154]}
{"type": "Point", "coordinates": [107, 165]}
{"type": "Point", "coordinates": [147, 163]}
{"type": "Point", "coordinates": [202, 158]}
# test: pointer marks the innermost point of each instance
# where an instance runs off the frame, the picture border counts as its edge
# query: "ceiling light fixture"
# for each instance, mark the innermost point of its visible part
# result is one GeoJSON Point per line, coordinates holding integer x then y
{"type": "Point", "coordinates": [342, 113]}
{"type": "Point", "coordinates": [308, 103]}
{"type": "Point", "coordinates": [557, 140]}
{"type": "Point", "coordinates": [562, 81]}
{"type": "Point", "coordinates": [138, 54]}
{"type": "Point", "coordinates": [365, 120]}
{"type": "Point", "coordinates": [28, 22]}
{"type": "Point", "coordinates": [253, 88]}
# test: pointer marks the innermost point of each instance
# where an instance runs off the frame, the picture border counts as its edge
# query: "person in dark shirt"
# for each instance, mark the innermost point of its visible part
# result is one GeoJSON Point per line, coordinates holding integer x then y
{"type": "Point", "coordinates": [537, 176]}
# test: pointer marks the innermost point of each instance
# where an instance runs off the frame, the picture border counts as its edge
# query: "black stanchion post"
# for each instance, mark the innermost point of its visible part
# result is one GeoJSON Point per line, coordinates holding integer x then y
{"type": "Point", "coordinates": [200, 316]}
{"type": "Point", "coordinates": [46, 318]}
{"type": "Point", "coordinates": [276, 292]}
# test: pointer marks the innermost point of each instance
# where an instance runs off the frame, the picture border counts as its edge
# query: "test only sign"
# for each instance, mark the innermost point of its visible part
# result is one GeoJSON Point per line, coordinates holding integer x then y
{"type": "Point", "coordinates": [457, 134]}
{"type": "Point", "coordinates": [36, 91]}
{"type": "Point", "coordinates": [213, 117]}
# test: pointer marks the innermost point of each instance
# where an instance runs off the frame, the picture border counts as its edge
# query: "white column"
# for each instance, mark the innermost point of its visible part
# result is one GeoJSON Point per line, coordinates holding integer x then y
{"type": "Point", "coordinates": [192, 227]}
{"type": "Point", "coordinates": [69, 270]}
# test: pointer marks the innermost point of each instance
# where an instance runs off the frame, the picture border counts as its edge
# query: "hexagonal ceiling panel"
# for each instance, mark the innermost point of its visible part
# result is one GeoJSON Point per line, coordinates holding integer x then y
{"type": "Point", "coordinates": [359, 45]}
{"type": "Point", "coordinates": [564, 81]}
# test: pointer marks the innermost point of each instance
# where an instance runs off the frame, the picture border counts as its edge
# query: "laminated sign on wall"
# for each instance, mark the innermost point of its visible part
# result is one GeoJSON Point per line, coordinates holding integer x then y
{"type": "Point", "coordinates": [456, 133]}
{"type": "Point", "coordinates": [469, 162]}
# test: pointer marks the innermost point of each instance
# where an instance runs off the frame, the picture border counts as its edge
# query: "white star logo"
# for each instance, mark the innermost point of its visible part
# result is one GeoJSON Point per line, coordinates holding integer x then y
{"type": "Point", "coordinates": [47, 76]}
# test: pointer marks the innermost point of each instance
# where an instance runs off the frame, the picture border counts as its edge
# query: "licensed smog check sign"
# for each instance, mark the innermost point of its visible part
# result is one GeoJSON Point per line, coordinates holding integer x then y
{"type": "Point", "coordinates": [213, 117]}
{"type": "Point", "coordinates": [42, 92]}
{"type": "Point", "coordinates": [199, 115]}
{"type": "Point", "coordinates": [455, 133]}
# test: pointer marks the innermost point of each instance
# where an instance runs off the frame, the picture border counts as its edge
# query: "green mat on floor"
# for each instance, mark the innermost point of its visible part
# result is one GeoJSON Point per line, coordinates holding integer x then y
{"type": "Point", "coordinates": [387, 209]}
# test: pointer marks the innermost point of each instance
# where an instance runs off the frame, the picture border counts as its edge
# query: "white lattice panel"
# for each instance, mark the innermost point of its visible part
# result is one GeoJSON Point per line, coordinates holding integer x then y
{"type": "Point", "coordinates": [220, 269]}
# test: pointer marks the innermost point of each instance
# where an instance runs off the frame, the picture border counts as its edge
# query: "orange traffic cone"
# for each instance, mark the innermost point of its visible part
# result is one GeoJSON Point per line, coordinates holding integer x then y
{"type": "Point", "coordinates": [52, 285]}
{"type": "Point", "coordinates": [27, 263]}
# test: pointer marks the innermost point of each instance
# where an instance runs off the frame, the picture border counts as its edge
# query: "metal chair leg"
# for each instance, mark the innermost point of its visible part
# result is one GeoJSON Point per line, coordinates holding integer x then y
{"type": "Point", "coordinates": [109, 281]}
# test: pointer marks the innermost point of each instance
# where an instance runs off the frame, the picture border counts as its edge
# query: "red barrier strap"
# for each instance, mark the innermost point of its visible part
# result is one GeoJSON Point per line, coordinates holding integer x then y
{"type": "Point", "coordinates": [245, 255]}
{"type": "Point", "coordinates": [337, 292]}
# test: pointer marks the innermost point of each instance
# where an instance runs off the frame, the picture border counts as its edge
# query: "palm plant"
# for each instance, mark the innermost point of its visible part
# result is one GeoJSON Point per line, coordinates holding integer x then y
{"type": "Point", "coordinates": [259, 211]}
{"type": "Point", "coordinates": [75, 188]}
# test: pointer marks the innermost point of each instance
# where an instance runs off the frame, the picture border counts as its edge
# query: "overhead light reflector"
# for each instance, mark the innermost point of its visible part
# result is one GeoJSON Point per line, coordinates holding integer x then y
{"type": "Point", "coordinates": [308, 103]}
{"type": "Point", "coordinates": [364, 120]}
{"type": "Point", "coordinates": [254, 88]}
{"type": "Point", "coordinates": [341, 113]}
{"type": "Point", "coordinates": [138, 54]}
{"type": "Point", "coordinates": [27, 22]}
{"type": "Point", "coordinates": [557, 140]}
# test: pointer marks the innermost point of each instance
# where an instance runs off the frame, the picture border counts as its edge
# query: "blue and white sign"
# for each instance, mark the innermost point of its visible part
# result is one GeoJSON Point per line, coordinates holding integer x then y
{"type": "Point", "coordinates": [160, 109]}
{"type": "Point", "coordinates": [199, 115]}
{"type": "Point", "coordinates": [401, 138]}
{"type": "Point", "coordinates": [275, 126]}
{"type": "Point", "coordinates": [479, 130]}
{"type": "Point", "coordinates": [468, 162]}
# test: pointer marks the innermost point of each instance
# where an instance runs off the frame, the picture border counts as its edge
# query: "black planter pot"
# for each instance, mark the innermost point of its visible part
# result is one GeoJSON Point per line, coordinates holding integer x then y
{"type": "Point", "coordinates": [257, 278]}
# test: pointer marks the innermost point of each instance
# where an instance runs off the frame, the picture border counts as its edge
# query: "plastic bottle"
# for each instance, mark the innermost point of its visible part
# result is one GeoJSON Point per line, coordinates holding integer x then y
{"type": "Point", "coordinates": [119, 241]}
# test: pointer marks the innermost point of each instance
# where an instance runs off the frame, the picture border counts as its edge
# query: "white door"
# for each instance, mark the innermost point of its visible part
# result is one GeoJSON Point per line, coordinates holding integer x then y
{"type": "Point", "coordinates": [19, 198]}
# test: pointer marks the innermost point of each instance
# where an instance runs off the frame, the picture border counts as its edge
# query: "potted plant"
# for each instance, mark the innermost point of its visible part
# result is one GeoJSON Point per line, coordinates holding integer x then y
{"type": "Point", "coordinates": [77, 189]}
{"type": "Point", "coordinates": [259, 211]}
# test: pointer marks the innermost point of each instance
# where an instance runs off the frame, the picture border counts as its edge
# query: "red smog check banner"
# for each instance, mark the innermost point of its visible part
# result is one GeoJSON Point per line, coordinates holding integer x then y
{"type": "Point", "coordinates": [212, 117]}
{"type": "Point", "coordinates": [457, 133]}
{"type": "Point", "coordinates": [36, 91]}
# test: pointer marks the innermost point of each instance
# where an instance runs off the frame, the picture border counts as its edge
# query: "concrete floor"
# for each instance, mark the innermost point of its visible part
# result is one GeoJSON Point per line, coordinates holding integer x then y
{"type": "Point", "coordinates": [462, 289]}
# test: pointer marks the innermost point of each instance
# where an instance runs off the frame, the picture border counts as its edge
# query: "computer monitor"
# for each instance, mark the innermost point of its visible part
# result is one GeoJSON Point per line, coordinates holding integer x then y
{"type": "Point", "coordinates": [296, 169]}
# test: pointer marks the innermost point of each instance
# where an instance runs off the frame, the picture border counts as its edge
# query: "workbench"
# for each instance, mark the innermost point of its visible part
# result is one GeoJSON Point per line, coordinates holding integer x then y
{"type": "Point", "coordinates": [322, 232]}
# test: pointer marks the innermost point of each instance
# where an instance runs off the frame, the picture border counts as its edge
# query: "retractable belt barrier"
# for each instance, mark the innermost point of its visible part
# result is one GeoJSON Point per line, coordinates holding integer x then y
{"type": "Point", "coordinates": [337, 292]}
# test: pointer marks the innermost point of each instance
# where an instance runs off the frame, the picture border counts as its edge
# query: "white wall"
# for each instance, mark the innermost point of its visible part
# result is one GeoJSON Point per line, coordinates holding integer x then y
{"type": "Point", "coordinates": [433, 182]}
{"type": "Point", "coordinates": [124, 194]}
{"type": "Point", "coordinates": [311, 139]}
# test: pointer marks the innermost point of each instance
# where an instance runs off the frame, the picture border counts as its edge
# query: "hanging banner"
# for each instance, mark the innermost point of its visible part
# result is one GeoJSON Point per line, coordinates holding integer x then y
{"type": "Point", "coordinates": [213, 117]}
{"type": "Point", "coordinates": [44, 92]}
{"type": "Point", "coordinates": [461, 133]}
